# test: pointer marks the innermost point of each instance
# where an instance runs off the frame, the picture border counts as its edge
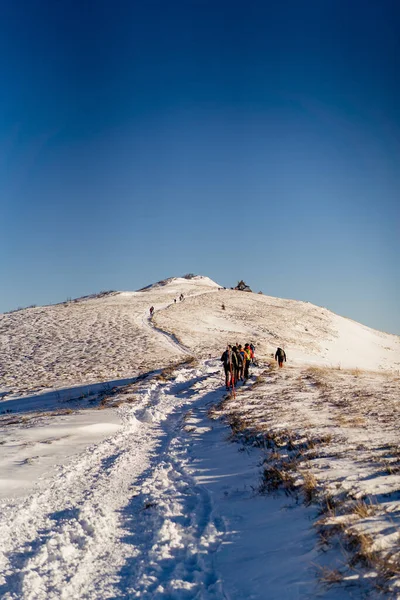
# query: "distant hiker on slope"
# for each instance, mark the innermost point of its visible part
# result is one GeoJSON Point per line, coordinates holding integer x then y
{"type": "Point", "coordinates": [280, 356]}
{"type": "Point", "coordinates": [230, 366]}
{"type": "Point", "coordinates": [253, 350]}
{"type": "Point", "coordinates": [151, 311]}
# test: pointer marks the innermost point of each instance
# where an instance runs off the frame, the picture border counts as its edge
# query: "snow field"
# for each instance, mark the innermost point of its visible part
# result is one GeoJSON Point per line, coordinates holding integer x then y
{"type": "Point", "coordinates": [330, 438]}
{"type": "Point", "coordinates": [310, 334]}
{"type": "Point", "coordinates": [31, 448]}
{"type": "Point", "coordinates": [165, 507]}
{"type": "Point", "coordinates": [64, 345]}
{"type": "Point", "coordinates": [66, 539]}
{"type": "Point", "coordinates": [164, 502]}
{"type": "Point", "coordinates": [112, 337]}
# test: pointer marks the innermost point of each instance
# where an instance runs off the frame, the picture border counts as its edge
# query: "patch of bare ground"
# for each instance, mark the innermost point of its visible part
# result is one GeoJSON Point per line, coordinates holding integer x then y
{"type": "Point", "coordinates": [329, 438]}
{"type": "Point", "coordinates": [28, 419]}
{"type": "Point", "coordinates": [169, 373]}
{"type": "Point", "coordinates": [115, 396]}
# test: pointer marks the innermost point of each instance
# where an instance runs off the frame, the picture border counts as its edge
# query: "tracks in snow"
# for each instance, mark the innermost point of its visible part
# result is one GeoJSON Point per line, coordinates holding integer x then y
{"type": "Point", "coordinates": [125, 518]}
{"type": "Point", "coordinates": [181, 531]}
{"type": "Point", "coordinates": [170, 338]}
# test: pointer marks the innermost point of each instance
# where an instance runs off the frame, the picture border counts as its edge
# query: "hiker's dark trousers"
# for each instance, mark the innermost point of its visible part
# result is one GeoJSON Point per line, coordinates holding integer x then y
{"type": "Point", "coordinates": [237, 374]}
{"type": "Point", "coordinates": [228, 381]}
{"type": "Point", "coordinates": [246, 369]}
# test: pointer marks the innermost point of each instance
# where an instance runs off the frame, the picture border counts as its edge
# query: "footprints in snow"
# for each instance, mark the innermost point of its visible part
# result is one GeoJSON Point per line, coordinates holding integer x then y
{"type": "Point", "coordinates": [177, 534]}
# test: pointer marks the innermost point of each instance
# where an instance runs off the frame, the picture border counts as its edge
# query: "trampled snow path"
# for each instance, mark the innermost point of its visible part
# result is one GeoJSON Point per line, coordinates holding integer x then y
{"type": "Point", "coordinates": [124, 518]}
{"type": "Point", "coordinates": [166, 507]}
{"type": "Point", "coordinates": [169, 338]}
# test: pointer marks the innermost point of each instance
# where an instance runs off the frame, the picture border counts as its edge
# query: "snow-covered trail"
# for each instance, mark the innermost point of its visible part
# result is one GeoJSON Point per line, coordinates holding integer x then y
{"type": "Point", "coordinates": [166, 507]}
{"type": "Point", "coordinates": [147, 322]}
{"type": "Point", "coordinates": [72, 537]}
{"type": "Point", "coordinates": [169, 339]}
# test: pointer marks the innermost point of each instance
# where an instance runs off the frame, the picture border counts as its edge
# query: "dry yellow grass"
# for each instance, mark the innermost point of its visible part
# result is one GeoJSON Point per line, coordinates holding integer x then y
{"type": "Point", "coordinates": [363, 509]}
{"type": "Point", "coordinates": [310, 487]}
{"type": "Point", "coordinates": [349, 421]}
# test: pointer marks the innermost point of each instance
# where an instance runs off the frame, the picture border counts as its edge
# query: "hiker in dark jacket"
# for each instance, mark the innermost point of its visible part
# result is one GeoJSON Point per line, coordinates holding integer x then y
{"type": "Point", "coordinates": [239, 364]}
{"type": "Point", "coordinates": [242, 356]}
{"type": "Point", "coordinates": [230, 365]}
{"type": "Point", "coordinates": [280, 356]}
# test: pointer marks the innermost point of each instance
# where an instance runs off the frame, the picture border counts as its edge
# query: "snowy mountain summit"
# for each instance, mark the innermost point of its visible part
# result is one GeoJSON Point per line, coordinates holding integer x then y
{"type": "Point", "coordinates": [112, 337]}
{"type": "Point", "coordinates": [187, 282]}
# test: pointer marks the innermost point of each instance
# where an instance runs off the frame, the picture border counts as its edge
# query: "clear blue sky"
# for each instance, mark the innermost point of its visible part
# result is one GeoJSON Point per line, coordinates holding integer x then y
{"type": "Point", "coordinates": [256, 140]}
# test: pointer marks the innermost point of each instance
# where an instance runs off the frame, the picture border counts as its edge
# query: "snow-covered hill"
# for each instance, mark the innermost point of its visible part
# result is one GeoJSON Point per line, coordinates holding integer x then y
{"type": "Point", "coordinates": [111, 337]}
{"type": "Point", "coordinates": [308, 333]}
{"type": "Point", "coordinates": [118, 478]}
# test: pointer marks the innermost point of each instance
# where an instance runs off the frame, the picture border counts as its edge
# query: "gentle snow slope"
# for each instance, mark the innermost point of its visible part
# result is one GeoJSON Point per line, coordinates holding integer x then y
{"type": "Point", "coordinates": [163, 508]}
{"type": "Point", "coordinates": [110, 337]}
{"type": "Point", "coordinates": [151, 499]}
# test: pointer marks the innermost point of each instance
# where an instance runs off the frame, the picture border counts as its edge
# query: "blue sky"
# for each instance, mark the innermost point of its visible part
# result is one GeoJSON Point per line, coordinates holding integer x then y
{"type": "Point", "coordinates": [256, 140]}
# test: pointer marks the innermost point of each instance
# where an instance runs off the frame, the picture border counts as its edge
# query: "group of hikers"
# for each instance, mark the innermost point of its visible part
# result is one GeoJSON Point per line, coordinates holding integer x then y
{"type": "Point", "coordinates": [181, 297]}
{"type": "Point", "coordinates": [236, 361]}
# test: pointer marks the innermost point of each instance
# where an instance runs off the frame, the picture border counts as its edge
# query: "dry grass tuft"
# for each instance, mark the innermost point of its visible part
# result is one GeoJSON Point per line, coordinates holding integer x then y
{"type": "Point", "coordinates": [355, 372]}
{"type": "Point", "coordinates": [25, 419]}
{"type": "Point", "coordinates": [260, 379]}
{"type": "Point", "coordinates": [328, 505]}
{"type": "Point", "coordinates": [349, 421]}
{"type": "Point", "coordinates": [310, 487]}
{"type": "Point", "coordinates": [168, 373]}
{"type": "Point", "coordinates": [391, 468]}
{"type": "Point", "coordinates": [388, 567]}
{"type": "Point", "coordinates": [330, 576]}
{"type": "Point", "coordinates": [360, 546]}
{"type": "Point", "coordinates": [274, 479]}
{"type": "Point", "coordinates": [364, 510]}
{"type": "Point", "coordinates": [236, 424]}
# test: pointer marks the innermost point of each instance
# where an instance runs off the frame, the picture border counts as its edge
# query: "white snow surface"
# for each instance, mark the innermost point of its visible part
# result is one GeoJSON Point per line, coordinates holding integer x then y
{"type": "Point", "coordinates": [108, 338]}
{"type": "Point", "coordinates": [146, 496]}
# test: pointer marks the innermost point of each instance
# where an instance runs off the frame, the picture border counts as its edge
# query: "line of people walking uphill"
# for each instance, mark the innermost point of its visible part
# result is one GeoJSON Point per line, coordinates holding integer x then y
{"type": "Point", "coordinates": [236, 361]}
